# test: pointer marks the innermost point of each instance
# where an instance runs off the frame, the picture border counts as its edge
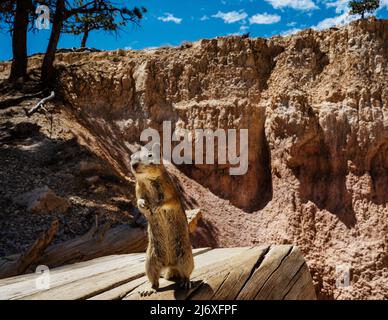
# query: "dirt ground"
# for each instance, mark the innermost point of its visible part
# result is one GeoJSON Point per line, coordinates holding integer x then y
{"type": "Point", "coordinates": [40, 151]}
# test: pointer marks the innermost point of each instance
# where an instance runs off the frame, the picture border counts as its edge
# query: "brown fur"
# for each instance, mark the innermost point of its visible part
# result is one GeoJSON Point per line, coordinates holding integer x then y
{"type": "Point", "coordinates": [169, 245]}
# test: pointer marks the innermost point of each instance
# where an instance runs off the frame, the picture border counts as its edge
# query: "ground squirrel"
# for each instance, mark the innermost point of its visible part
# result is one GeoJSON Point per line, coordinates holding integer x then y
{"type": "Point", "coordinates": [169, 247]}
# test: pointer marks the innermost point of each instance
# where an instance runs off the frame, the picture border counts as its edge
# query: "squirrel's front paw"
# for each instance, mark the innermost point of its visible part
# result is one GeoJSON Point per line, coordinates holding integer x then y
{"type": "Point", "coordinates": [141, 203]}
{"type": "Point", "coordinates": [143, 207]}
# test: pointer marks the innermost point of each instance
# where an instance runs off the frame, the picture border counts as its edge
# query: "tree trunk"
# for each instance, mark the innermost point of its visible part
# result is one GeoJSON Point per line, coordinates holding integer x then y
{"type": "Point", "coordinates": [85, 38]}
{"type": "Point", "coordinates": [19, 40]}
{"type": "Point", "coordinates": [49, 57]}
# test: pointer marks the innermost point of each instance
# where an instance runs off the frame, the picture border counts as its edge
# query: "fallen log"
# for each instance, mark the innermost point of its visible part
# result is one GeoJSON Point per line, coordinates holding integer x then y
{"type": "Point", "coordinates": [259, 273]}
{"type": "Point", "coordinates": [94, 244]}
{"type": "Point", "coordinates": [99, 241]}
{"type": "Point", "coordinates": [103, 241]}
{"type": "Point", "coordinates": [19, 264]}
{"type": "Point", "coordinates": [250, 273]}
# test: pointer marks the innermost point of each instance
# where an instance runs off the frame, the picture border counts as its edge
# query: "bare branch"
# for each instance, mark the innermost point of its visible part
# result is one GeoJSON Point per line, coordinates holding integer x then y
{"type": "Point", "coordinates": [40, 104]}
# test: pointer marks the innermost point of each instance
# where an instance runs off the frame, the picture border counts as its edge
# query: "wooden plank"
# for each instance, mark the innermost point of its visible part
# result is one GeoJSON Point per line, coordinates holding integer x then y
{"type": "Point", "coordinates": [121, 291]}
{"type": "Point", "coordinates": [16, 289]}
{"type": "Point", "coordinates": [87, 287]}
{"type": "Point", "coordinates": [92, 279]}
{"type": "Point", "coordinates": [283, 274]}
{"type": "Point", "coordinates": [303, 288]}
{"type": "Point", "coordinates": [225, 281]}
{"type": "Point", "coordinates": [283, 278]}
{"type": "Point", "coordinates": [204, 264]}
{"type": "Point", "coordinates": [68, 267]}
{"type": "Point", "coordinates": [271, 262]}
{"type": "Point", "coordinates": [276, 272]}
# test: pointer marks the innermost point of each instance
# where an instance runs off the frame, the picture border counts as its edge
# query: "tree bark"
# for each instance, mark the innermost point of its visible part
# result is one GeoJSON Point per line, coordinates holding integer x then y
{"type": "Point", "coordinates": [49, 57]}
{"type": "Point", "coordinates": [85, 37]}
{"type": "Point", "coordinates": [19, 40]}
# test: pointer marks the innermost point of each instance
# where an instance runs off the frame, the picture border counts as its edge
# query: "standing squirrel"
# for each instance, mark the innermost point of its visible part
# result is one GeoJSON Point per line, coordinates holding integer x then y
{"type": "Point", "coordinates": [169, 247]}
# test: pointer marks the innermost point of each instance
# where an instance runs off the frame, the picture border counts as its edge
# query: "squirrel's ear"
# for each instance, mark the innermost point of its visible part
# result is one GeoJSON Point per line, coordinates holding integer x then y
{"type": "Point", "coordinates": [133, 148]}
{"type": "Point", "coordinates": [144, 149]}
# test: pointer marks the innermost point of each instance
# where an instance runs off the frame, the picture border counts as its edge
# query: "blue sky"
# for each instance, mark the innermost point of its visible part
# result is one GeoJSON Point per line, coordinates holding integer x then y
{"type": "Point", "coordinates": [171, 22]}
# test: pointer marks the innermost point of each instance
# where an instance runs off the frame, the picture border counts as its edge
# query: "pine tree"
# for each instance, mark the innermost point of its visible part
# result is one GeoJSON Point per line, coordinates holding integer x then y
{"type": "Point", "coordinates": [363, 6]}
{"type": "Point", "coordinates": [108, 20]}
{"type": "Point", "coordinates": [97, 14]}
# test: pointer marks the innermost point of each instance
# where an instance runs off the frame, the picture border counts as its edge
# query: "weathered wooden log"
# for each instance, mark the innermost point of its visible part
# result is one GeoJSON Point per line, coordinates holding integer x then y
{"type": "Point", "coordinates": [266, 272]}
{"type": "Point", "coordinates": [103, 241]}
{"type": "Point", "coordinates": [20, 263]}
{"type": "Point", "coordinates": [98, 242]}
{"type": "Point", "coordinates": [259, 273]}
{"type": "Point", "coordinates": [94, 244]}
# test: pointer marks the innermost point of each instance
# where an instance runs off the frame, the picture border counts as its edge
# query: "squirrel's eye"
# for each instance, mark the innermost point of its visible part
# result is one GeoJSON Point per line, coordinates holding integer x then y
{"type": "Point", "coordinates": [150, 155]}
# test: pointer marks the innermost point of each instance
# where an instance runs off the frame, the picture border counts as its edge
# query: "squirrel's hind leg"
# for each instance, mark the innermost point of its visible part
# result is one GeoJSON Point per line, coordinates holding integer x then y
{"type": "Point", "coordinates": [185, 267]}
{"type": "Point", "coordinates": [172, 274]}
{"type": "Point", "coordinates": [153, 269]}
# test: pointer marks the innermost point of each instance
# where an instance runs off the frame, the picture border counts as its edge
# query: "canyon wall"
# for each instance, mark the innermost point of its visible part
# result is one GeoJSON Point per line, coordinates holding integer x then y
{"type": "Point", "coordinates": [315, 105]}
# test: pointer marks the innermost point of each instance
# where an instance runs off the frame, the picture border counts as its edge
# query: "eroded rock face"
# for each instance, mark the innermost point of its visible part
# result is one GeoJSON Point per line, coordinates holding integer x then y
{"type": "Point", "coordinates": [215, 84]}
{"type": "Point", "coordinates": [316, 108]}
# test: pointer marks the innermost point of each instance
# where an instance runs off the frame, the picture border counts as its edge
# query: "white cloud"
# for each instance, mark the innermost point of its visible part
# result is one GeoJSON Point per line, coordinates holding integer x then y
{"type": "Point", "coordinates": [339, 5]}
{"type": "Point", "coordinates": [291, 24]}
{"type": "Point", "coordinates": [244, 28]}
{"type": "Point", "coordinates": [340, 20]}
{"type": "Point", "coordinates": [151, 48]}
{"type": "Point", "coordinates": [204, 18]}
{"type": "Point", "coordinates": [168, 17]}
{"type": "Point", "coordinates": [290, 31]}
{"type": "Point", "coordinates": [264, 18]}
{"type": "Point", "coordinates": [231, 17]}
{"type": "Point", "coordinates": [342, 6]}
{"type": "Point", "coordinates": [295, 4]}
{"type": "Point", "coordinates": [383, 4]}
